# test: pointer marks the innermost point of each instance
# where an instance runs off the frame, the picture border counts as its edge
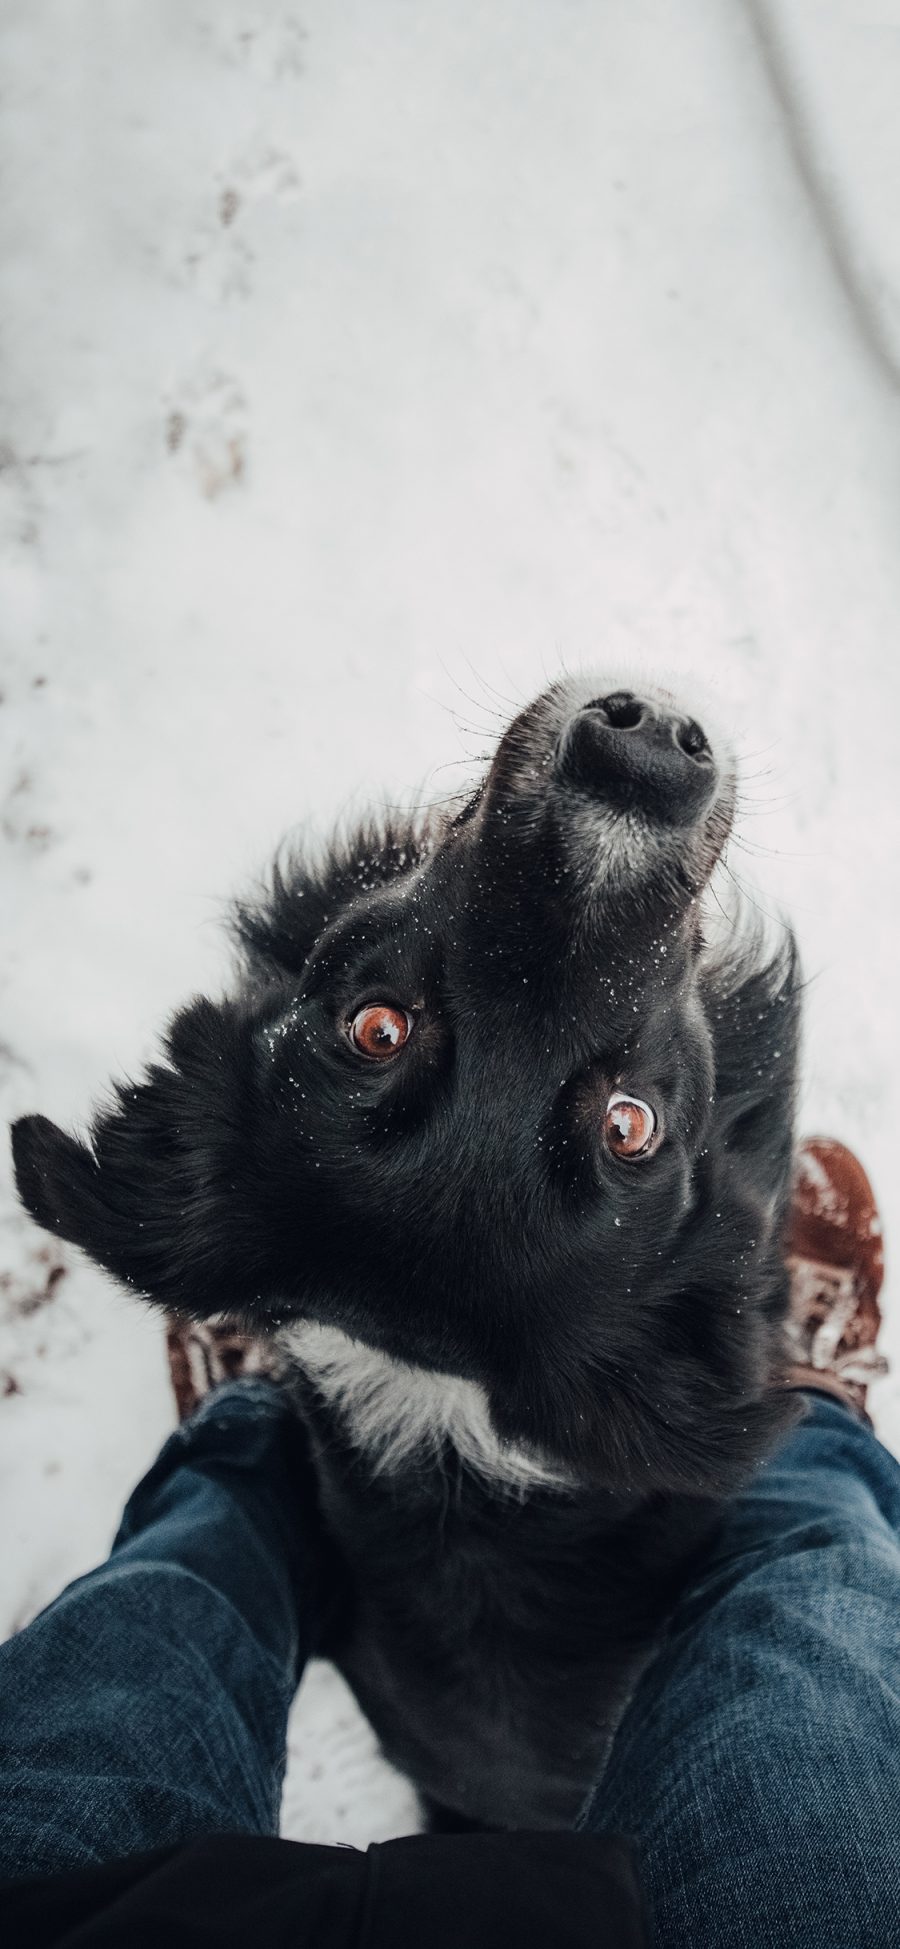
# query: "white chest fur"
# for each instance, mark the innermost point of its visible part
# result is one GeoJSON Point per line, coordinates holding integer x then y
{"type": "Point", "coordinates": [396, 1413]}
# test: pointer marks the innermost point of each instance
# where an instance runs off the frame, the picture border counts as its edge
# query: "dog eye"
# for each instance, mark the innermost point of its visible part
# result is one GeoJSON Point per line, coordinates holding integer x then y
{"type": "Point", "coordinates": [380, 1030]}
{"type": "Point", "coordinates": [630, 1125]}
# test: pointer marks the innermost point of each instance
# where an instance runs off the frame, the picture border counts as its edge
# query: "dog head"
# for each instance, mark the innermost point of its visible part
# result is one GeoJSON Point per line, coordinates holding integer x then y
{"type": "Point", "coordinates": [485, 1101]}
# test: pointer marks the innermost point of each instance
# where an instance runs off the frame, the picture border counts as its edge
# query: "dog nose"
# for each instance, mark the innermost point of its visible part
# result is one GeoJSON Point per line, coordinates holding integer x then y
{"type": "Point", "coordinates": [627, 751]}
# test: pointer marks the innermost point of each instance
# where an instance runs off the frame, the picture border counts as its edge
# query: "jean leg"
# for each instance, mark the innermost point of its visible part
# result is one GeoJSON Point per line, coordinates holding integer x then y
{"type": "Point", "coordinates": [758, 1765]}
{"type": "Point", "coordinates": [148, 1704]}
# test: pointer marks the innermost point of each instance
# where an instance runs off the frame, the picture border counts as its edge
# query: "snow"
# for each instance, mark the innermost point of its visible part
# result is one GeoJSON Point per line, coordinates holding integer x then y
{"type": "Point", "coordinates": [364, 367]}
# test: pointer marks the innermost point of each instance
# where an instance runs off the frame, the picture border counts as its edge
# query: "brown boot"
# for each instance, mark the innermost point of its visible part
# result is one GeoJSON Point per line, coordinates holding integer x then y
{"type": "Point", "coordinates": [202, 1353]}
{"type": "Point", "coordinates": [835, 1257]}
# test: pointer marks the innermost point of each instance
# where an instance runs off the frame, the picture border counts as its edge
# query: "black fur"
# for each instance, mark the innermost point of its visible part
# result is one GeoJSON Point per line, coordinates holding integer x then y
{"type": "Point", "coordinates": [456, 1208]}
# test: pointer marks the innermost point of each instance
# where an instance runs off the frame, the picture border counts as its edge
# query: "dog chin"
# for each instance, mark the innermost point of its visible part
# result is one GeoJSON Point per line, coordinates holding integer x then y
{"type": "Point", "coordinates": [619, 853]}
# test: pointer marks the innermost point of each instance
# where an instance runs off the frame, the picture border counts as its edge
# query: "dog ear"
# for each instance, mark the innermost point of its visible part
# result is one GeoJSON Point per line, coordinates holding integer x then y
{"type": "Point", "coordinates": [57, 1179]}
{"type": "Point", "coordinates": [159, 1195]}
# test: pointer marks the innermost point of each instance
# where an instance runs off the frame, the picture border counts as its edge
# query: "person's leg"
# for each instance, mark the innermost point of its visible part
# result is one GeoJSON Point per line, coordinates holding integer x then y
{"type": "Point", "coordinates": [148, 1704]}
{"type": "Point", "coordinates": [758, 1765]}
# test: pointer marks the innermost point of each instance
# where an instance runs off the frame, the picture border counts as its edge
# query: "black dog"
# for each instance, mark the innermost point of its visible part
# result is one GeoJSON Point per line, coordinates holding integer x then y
{"type": "Point", "coordinates": [501, 1153]}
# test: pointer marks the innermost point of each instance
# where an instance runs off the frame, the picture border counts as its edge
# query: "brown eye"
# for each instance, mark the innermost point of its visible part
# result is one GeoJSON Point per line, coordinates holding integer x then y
{"type": "Point", "coordinates": [630, 1125]}
{"type": "Point", "coordinates": [380, 1029]}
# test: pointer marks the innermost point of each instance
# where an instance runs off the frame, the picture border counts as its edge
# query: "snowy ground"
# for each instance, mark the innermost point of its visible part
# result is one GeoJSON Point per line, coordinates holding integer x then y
{"type": "Point", "coordinates": [362, 362]}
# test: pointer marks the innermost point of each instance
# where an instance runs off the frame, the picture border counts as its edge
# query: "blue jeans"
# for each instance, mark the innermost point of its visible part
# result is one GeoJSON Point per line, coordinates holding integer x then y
{"type": "Point", "coordinates": [757, 1768]}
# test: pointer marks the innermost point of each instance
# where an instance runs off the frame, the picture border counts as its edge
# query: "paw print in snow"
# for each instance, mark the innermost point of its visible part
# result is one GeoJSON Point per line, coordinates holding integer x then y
{"type": "Point", "coordinates": [29, 1287]}
{"type": "Point", "coordinates": [221, 256]}
{"type": "Point", "coordinates": [262, 173]}
{"type": "Point", "coordinates": [276, 49]}
{"type": "Point", "coordinates": [19, 820]}
{"type": "Point", "coordinates": [206, 433]}
{"type": "Point", "coordinates": [24, 479]}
